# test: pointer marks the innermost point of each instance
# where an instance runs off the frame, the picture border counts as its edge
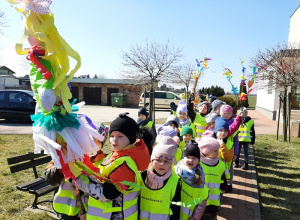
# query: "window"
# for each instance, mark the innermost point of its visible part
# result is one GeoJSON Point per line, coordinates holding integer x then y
{"type": "Point", "coordinates": [159, 95]}
{"type": "Point", "coordinates": [170, 96]}
{"type": "Point", "coordinates": [2, 96]}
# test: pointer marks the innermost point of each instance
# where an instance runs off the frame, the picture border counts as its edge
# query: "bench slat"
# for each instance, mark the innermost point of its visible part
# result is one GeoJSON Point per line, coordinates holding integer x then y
{"type": "Point", "coordinates": [44, 190]}
{"type": "Point", "coordinates": [22, 158]}
{"type": "Point", "coordinates": [29, 164]}
{"type": "Point", "coordinates": [30, 184]}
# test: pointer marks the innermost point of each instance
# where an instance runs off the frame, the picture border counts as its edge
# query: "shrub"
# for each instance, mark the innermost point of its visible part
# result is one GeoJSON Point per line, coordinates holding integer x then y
{"type": "Point", "coordinates": [230, 101]}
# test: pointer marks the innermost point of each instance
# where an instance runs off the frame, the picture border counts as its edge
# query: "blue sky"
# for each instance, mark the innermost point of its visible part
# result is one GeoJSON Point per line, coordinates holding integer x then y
{"type": "Point", "coordinates": [100, 30]}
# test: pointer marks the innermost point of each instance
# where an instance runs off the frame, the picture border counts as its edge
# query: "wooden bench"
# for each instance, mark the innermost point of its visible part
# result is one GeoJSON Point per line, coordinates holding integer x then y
{"type": "Point", "coordinates": [37, 186]}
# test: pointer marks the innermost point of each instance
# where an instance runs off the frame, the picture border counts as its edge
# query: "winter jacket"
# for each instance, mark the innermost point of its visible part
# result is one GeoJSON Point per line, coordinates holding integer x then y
{"type": "Point", "coordinates": [235, 139]}
{"type": "Point", "coordinates": [227, 155]}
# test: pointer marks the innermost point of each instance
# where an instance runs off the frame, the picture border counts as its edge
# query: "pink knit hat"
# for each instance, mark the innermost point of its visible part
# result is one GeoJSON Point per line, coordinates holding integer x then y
{"type": "Point", "coordinates": [226, 108]}
{"type": "Point", "coordinates": [208, 145]}
{"type": "Point", "coordinates": [163, 151]}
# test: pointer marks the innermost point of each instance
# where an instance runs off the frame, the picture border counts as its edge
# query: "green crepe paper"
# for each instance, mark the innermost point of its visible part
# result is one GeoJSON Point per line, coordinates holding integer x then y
{"type": "Point", "coordinates": [37, 79]}
{"type": "Point", "coordinates": [188, 204]}
{"type": "Point", "coordinates": [132, 184]}
{"type": "Point", "coordinates": [56, 120]}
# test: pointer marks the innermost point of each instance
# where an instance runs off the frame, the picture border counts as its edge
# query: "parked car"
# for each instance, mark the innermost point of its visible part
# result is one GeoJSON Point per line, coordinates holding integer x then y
{"type": "Point", "coordinates": [162, 99]}
{"type": "Point", "coordinates": [16, 104]}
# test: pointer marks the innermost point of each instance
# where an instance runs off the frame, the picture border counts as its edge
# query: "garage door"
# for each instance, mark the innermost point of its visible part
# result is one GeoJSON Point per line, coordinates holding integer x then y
{"type": "Point", "coordinates": [92, 96]}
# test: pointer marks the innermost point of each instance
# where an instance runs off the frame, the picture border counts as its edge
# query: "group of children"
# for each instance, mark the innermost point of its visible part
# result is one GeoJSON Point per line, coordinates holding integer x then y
{"type": "Point", "coordinates": [178, 171]}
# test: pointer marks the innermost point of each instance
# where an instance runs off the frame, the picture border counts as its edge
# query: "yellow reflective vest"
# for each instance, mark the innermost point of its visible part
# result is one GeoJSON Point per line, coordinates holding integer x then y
{"type": "Point", "coordinates": [64, 202]}
{"type": "Point", "coordinates": [103, 210]}
{"type": "Point", "coordinates": [213, 180]}
{"type": "Point", "coordinates": [245, 129]}
{"type": "Point", "coordinates": [188, 194]}
{"type": "Point", "coordinates": [155, 204]}
{"type": "Point", "coordinates": [200, 124]}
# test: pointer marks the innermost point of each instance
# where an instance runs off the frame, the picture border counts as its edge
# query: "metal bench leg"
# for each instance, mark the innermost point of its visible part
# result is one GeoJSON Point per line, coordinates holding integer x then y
{"type": "Point", "coordinates": [34, 204]}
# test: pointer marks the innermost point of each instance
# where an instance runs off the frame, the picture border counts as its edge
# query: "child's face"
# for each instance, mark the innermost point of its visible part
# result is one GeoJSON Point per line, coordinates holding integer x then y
{"type": "Point", "coordinates": [217, 110]}
{"type": "Point", "coordinates": [142, 117]}
{"type": "Point", "coordinates": [161, 166]}
{"type": "Point", "coordinates": [191, 161]}
{"type": "Point", "coordinates": [213, 154]}
{"type": "Point", "coordinates": [187, 137]}
{"type": "Point", "coordinates": [173, 126]}
{"type": "Point", "coordinates": [226, 115]}
{"type": "Point", "coordinates": [202, 109]}
{"type": "Point", "coordinates": [211, 125]}
{"type": "Point", "coordinates": [182, 116]}
{"type": "Point", "coordinates": [118, 140]}
{"type": "Point", "coordinates": [245, 114]}
{"type": "Point", "coordinates": [222, 133]}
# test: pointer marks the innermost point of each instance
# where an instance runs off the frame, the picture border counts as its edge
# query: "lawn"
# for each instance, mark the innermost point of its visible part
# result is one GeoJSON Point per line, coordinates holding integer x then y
{"type": "Point", "coordinates": [277, 165]}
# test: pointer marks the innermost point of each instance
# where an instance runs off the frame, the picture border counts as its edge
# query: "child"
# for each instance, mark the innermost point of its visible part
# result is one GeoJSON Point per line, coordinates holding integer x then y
{"type": "Point", "coordinates": [173, 107]}
{"type": "Point", "coordinates": [64, 201]}
{"type": "Point", "coordinates": [226, 112]}
{"type": "Point", "coordinates": [160, 186]}
{"type": "Point", "coordinates": [216, 106]}
{"type": "Point", "coordinates": [129, 156]}
{"type": "Point", "coordinates": [246, 137]}
{"type": "Point", "coordinates": [198, 118]}
{"type": "Point", "coordinates": [210, 120]}
{"type": "Point", "coordinates": [145, 121]}
{"type": "Point", "coordinates": [193, 182]}
{"type": "Point", "coordinates": [187, 136]}
{"type": "Point", "coordinates": [183, 116]}
{"type": "Point", "coordinates": [173, 121]}
{"type": "Point", "coordinates": [215, 178]}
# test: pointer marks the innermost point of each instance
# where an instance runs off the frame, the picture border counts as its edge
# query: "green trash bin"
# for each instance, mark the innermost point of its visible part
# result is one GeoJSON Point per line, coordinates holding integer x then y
{"type": "Point", "coordinates": [118, 99]}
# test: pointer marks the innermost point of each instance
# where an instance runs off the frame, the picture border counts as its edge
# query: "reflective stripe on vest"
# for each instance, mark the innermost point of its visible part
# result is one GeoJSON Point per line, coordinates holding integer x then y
{"type": "Point", "coordinates": [129, 209]}
{"type": "Point", "coordinates": [213, 175]}
{"type": "Point", "coordinates": [245, 129]}
{"type": "Point", "coordinates": [64, 202]}
{"type": "Point", "coordinates": [200, 125]}
{"type": "Point", "coordinates": [188, 194]}
{"type": "Point", "coordinates": [155, 204]}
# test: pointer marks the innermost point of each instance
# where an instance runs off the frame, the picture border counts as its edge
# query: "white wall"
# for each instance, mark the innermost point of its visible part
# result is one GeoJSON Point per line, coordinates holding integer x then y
{"type": "Point", "coordinates": [294, 32]}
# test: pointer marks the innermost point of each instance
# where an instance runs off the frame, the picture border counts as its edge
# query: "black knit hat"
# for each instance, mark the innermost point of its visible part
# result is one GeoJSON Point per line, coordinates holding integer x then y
{"type": "Point", "coordinates": [125, 125]}
{"type": "Point", "coordinates": [191, 149]}
{"type": "Point", "coordinates": [143, 111]}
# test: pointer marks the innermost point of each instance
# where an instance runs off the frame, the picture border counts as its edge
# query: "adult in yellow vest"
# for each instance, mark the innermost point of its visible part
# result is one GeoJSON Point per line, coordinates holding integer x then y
{"type": "Point", "coordinates": [160, 186]}
{"type": "Point", "coordinates": [246, 137]}
{"type": "Point", "coordinates": [129, 156]}
{"type": "Point", "coordinates": [192, 178]}
{"type": "Point", "coordinates": [215, 178]}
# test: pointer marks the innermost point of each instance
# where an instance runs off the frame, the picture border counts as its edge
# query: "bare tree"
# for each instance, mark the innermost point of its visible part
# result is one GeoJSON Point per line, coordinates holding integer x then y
{"type": "Point", "coordinates": [147, 64]}
{"type": "Point", "coordinates": [280, 70]}
{"type": "Point", "coordinates": [3, 21]}
{"type": "Point", "coordinates": [183, 75]}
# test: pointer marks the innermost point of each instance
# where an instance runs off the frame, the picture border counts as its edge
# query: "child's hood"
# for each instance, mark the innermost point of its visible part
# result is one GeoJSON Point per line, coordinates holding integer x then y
{"type": "Point", "coordinates": [230, 121]}
{"type": "Point", "coordinates": [138, 152]}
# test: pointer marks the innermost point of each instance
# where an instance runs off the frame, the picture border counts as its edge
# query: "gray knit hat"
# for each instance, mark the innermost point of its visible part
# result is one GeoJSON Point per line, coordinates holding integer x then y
{"type": "Point", "coordinates": [211, 117]}
{"type": "Point", "coordinates": [216, 103]}
{"type": "Point", "coordinates": [173, 119]}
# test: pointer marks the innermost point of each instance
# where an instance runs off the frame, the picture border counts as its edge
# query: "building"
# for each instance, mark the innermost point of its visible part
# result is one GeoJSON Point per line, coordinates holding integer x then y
{"type": "Point", "coordinates": [268, 98]}
{"type": "Point", "coordinates": [98, 91]}
{"type": "Point", "coordinates": [7, 79]}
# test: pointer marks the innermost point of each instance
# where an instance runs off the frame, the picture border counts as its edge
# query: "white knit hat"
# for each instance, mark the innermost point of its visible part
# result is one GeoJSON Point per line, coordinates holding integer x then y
{"type": "Point", "coordinates": [181, 107]}
{"type": "Point", "coordinates": [164, 151]}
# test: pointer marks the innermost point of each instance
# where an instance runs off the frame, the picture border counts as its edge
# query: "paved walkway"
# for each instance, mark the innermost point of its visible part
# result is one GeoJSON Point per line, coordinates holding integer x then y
{"type": "Point", "coordinates": [243, 202]}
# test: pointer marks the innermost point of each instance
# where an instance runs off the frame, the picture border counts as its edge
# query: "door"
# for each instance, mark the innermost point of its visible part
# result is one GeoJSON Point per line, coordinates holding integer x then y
{"type": "Point", "coordinates": [75, 94]}
{"type": "Point", "coordinates": [109, 92]}
{"type": "Point", "coordinates": [92, 96]}
{"type": "Point", "coordinates": [160, 99]}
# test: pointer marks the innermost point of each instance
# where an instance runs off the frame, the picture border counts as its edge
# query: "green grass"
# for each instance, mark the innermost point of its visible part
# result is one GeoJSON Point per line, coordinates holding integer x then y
{"type": "Point", "coordinates": [251, 100]}
{"type": "Point", "coordinates": [278, 173]}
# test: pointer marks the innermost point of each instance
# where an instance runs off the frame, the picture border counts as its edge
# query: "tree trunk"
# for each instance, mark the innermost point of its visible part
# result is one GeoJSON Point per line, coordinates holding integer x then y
{"type": "Point", "coordinates": [285, 115]}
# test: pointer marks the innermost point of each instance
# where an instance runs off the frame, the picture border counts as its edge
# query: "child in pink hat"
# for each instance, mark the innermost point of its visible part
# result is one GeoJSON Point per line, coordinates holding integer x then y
{"type": "Point", "coordinates": [160, 185]}
{"type": "Point", "coordinates": [214, 170]}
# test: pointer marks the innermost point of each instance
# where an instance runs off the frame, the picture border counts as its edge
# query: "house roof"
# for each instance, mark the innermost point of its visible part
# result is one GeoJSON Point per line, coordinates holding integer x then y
{"type": "Point", "coordinates": [5, 68]}
{"type": "Point", "coordinates": [295, 11]}
{"type": "Point", "coordinates": [100, 81]}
